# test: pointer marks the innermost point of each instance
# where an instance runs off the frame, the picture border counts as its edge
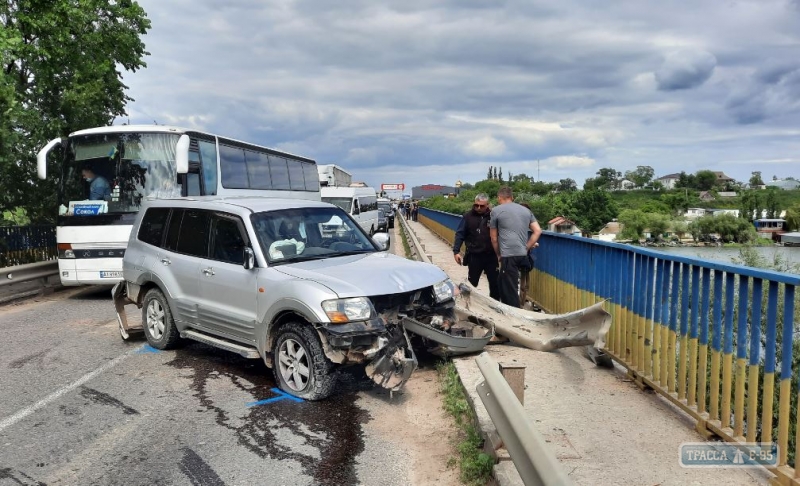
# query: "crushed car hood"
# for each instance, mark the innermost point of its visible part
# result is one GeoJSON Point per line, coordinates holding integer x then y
{"type": "Point", "coordinates": [366, 275]}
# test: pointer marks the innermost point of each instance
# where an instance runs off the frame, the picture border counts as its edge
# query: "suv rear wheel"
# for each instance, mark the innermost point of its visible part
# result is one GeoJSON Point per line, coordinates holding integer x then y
{"type": "Point", "coordinates": [159, 327]}
{"type": "Point", "coordinates": [300, 366]}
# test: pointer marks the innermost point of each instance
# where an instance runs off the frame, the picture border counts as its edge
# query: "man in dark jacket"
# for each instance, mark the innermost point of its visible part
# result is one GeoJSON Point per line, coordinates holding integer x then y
{"type": "Point", "coordinates": [473, 230]}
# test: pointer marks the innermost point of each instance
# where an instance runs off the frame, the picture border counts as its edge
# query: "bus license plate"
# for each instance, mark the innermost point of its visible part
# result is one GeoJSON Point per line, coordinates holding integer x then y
{"type": "Point", "coordinates": [104, 274]}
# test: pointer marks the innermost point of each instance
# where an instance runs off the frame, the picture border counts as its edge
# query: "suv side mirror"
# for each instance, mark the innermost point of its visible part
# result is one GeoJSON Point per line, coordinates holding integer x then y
{"type": "Point", "coordinates": [249, 258]}
{"type": "Point", "coordinates": [382, 239]}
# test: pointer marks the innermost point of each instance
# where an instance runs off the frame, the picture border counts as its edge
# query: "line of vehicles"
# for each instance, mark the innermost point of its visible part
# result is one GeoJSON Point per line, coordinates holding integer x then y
{"type": "Point", "coordinates": [239, 246]}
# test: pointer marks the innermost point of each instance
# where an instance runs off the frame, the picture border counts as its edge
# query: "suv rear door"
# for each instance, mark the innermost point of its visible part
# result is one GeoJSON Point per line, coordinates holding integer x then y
{"type": "Point", "coordinates": [186, 243]}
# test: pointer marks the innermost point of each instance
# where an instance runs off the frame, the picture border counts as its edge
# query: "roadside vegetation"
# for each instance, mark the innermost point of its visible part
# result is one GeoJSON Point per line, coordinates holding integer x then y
{"type": "Point", "coordinates": [474, 465]}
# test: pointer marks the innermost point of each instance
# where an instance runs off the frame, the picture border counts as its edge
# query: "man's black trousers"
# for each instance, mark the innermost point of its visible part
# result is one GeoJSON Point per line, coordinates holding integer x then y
{"type": "Point", "coordinates": [510, 268]}
{"type": "Point", "coordinates": [485, 262]}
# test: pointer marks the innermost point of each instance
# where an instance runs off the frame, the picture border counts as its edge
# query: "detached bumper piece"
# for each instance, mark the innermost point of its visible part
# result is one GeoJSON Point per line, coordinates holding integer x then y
{"type": "Point", "coordinates": [119, 295]}
{"type": "Point", "coordinates": [451, 333]}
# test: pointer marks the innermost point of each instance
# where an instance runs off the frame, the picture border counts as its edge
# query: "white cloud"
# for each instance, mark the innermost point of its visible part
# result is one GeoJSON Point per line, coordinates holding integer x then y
{"type": "Point", "coordinates": [570, 161]}
{"type": "Point", "coordinates": [486, 146]}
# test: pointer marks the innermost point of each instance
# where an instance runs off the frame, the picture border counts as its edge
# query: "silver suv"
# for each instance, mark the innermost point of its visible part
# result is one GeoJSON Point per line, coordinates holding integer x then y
{"type": "Point", "coordinates": [296, 283]}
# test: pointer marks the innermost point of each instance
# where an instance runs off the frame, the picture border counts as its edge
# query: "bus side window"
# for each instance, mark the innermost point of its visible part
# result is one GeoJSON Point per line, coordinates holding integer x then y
{"type": "Point", "coordinates": [193, 184]}
{"type": "Point", "coordinates": [208, 159]}
{"type": "Point", "coordinates": [356, 208]}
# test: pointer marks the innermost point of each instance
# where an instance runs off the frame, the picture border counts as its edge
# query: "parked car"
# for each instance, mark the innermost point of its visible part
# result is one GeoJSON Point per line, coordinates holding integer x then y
{"type": "Point", "coordinates": [296, 283]}
{"type": "Point", "coordinates": [383, 221]}
{"type": "Point", "coordinates": [389, 208]}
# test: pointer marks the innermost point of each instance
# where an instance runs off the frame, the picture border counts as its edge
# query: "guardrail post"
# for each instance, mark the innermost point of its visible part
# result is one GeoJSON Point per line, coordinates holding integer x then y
{"type": "Point", "coordinates": [515, 376]}
{"type": "Point", "coordinates": [532, 456]}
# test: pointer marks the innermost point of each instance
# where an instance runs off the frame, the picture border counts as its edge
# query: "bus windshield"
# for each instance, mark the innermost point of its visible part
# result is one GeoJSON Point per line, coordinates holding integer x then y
{"type": "Point", "coordinates": [114, 172]}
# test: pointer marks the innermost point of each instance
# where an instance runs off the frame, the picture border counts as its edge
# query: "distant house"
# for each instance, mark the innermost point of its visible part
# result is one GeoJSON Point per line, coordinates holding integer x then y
{"type": "Point", "coordinates": [669, 181]}
{"type": "Point", "coordinates": [790, 239]}
{"type": "Point", "coordinates": [722, 179]}
{"type": "Point", "coordinates": [560, 224]}
{"type": "Point", "coordinates": [786, 184]}
{"type": "Point", "coordinates": [706, 196]}
{"type": "Point", "coordinates": [695, 212]}
{"type": "Point", "coordinates": [609, 231]}
{"type": "Point", "coordinates": [626, 185]}
{"type": "Point", "coordinates": [717, 212]}
{"type": "Point", "coordinates": [770, 228]}
{"type": "Point", "coordinates": [726, 194]}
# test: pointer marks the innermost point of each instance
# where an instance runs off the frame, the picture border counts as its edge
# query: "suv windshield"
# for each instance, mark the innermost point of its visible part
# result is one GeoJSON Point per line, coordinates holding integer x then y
{"type": "Point", "coordinates": [292, 235]}
{"type": "Point", "coordinates": [118, 170]}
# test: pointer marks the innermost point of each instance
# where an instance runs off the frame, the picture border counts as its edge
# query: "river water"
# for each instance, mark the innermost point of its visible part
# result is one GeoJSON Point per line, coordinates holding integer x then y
{"type": "Point", "coordinates": [791, 254]}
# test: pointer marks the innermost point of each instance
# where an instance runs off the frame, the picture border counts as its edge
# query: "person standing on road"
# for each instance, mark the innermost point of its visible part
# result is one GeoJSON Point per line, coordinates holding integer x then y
{"type": "Point", "coordinates": [509, 227]}
{"type": "Point", "coordinates": [480, 257]}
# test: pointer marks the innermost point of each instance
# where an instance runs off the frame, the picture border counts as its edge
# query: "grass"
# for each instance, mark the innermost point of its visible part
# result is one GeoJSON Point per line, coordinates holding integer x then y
{"type": "Point", "coordinates": [404, 239]}
{"type": "Point", "coordinates": [474, 465]}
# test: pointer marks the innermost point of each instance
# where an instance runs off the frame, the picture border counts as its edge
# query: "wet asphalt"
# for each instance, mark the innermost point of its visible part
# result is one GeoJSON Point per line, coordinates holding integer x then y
{"type": "Point", "coordinates": [80, 406]}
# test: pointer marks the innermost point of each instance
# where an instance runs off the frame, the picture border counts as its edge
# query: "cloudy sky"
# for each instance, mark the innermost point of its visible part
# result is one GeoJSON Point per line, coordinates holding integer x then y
{"type": "Point", "coordinates": [423, 91]}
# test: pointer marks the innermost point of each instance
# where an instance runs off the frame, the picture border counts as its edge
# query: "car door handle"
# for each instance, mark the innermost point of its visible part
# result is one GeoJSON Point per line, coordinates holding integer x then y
{"type": "Point", "coordinates": [208, 271]}
{"type": "Point", "coordinates": [166, 261]}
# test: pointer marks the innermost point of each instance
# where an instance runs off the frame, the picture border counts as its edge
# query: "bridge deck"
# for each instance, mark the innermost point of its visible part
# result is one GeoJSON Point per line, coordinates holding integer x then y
{"type": "Point", "coordinates": [602, 427]}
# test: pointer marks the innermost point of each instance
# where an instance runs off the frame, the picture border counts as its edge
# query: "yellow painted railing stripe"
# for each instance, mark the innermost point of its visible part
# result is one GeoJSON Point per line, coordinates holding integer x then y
{"type": "Point", "coordinates": [714, 408]}
{"type": "Point", "coordinates": [738, 404]}
{"type": "Point", "coordinates": [766, 407]}
{"type": "Point", "coordinates": [752, 403]}
{"type": "Point", "coordinates": [665, 350]}
{"type": "Point", "coordinates": [640, 346]}
{"type": "Point", "coordinates": [692, 371]}
{"type": "Point", "coordinates": [648, 348]}
{"type": "Point", "coordinates": [701, 381]}
{"type": "Point", "coordinates": [657, 351]}
{"type": "Point", "coordinates": [783, 421]}
{"type": "Point", "coordinates": [727, 378]}
{"type": "Point", "coordinates": [682, 368]}
{"type": "Point", "coordinates": [671, 361]}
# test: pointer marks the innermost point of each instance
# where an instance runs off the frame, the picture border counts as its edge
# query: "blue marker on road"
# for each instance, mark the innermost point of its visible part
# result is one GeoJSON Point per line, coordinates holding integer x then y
{"type": "Point", "coordinates": [146, 349]}
{"type": "Point", "coordinates": [281, 396]}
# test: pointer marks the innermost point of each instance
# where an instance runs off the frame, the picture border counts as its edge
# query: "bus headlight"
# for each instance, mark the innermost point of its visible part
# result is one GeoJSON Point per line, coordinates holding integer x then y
{"type": "Point", "coordinates": [65, 251]}
{"type": "Point", "coordinates": [443, 290]}
{"type": "Point", "coordinates": [340, 311]}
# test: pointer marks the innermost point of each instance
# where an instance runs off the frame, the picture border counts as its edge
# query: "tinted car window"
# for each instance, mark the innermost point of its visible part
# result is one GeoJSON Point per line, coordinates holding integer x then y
{"type": "Point", "coordinates": [153, 225]}
{"type": "Point", "coordinates": [174, 230]}
{"type": "Point", "coordinates": [228, 244]}
{"type": "Point", "coordinates": [193, 239]}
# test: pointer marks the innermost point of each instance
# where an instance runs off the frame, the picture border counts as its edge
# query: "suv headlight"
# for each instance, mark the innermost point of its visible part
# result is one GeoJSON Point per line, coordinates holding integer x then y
{"type": "Point", "coordinates": [340, 311]}
{"type": "Point", "coordinates": [443, 290]}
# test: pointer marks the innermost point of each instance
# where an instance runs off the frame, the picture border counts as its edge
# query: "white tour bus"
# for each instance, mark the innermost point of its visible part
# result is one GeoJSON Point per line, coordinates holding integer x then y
{"type": "Point", "coordinates": [130, 163]}
{"type": "Point", "coordinates": [359, 202]}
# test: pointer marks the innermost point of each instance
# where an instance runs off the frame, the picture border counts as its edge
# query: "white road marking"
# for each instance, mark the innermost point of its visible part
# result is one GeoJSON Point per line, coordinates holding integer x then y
{"type": "Point", "coordinates": [8, 422]}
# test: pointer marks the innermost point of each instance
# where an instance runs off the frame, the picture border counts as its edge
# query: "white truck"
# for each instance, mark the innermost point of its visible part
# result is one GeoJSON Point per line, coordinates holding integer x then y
{"type": "Point", "coordinates": [331, 175]}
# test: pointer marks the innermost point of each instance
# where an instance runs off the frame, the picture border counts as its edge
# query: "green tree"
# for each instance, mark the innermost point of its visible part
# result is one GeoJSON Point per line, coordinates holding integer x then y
{"type": "Point", "coordinates": [521, 178]}
{"type": "Point", "coordinates": [489, 175]}
{"type": "Point", "coordinates": [500, 175]}
{"type": "Point", "coordinates": [609, 178]}
{"type": "Point", "coordinates": [641, 176]}
{"type": "Point", "coordinates": [771, 204]}
{"type": "Point", "coordinates": [590, 210]}
{"type": "Point", "coordinates": [567, 185]}
{"type": "Point", "coordinates": [706, 180]}
{"type": "Point", "coordinates": [494, 176]}
{"type": "Point", "coordinates": [688, 181]}
{"type": "Point", "coordinates": [658, 224]}
{"type": "Point", "coordinates": [633, 224]}
{"type": "Point", "coordinates": [63, 60]}
{"type": "Point", "coordinates": [542, 188]}
{"type": "Point", "coordinates": [793, 218]}
{"type": "Point", "coordinates": [488, 187]}
{"type": "Point", "coordinates": [678, 202]}
{"type": "Point", "coordinates": [749, 205]}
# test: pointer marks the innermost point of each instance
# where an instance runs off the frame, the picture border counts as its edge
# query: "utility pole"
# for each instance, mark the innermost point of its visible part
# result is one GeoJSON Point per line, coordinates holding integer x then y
{"type": "Point", "coordinates": [537, 171]}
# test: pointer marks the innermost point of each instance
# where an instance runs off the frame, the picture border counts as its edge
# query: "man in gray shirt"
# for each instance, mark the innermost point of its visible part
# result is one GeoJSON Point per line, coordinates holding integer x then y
{"type": "Point", "coordinates": [509, 228]}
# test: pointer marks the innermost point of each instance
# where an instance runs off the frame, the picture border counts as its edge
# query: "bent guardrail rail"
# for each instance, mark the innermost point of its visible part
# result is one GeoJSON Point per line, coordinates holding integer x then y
{"type": "Point", "coordinates": [26, 280]}
{"type": "Point", "coordinates": [535, 462]}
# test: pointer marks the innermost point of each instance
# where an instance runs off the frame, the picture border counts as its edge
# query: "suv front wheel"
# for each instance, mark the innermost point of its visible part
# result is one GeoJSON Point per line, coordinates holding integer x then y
{"type": "Point", "coordinates": [159, 327]}
{"type": "Point", "coordinates": [300, 365]}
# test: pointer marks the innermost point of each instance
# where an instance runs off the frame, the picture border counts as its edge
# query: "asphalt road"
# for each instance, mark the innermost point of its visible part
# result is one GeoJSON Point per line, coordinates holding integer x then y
{"type": "Point", "coordinates": [80, 406]}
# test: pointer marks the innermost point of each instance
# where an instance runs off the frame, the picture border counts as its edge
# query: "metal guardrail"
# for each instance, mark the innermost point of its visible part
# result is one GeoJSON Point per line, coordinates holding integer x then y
{"type": "Point", "coordinates": [535, 462]}
{"type": "Point", "coordinates": [417, 250]}
{"type": "Point", "coordinates": [29, 279]}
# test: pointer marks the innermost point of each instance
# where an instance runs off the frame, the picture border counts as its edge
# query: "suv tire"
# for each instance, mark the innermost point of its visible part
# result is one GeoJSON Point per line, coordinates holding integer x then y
{"type": "Point", "coordinates": [159, 327]}
{"type": "Point", "coordinates": [298, 354]}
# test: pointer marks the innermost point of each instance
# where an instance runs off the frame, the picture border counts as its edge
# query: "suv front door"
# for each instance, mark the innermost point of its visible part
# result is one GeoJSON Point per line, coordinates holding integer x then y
{"type": "Point", "coordinates": [228, 290]}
